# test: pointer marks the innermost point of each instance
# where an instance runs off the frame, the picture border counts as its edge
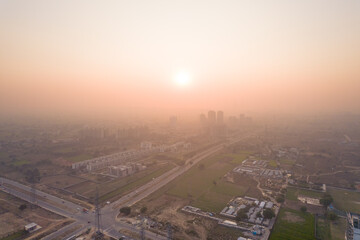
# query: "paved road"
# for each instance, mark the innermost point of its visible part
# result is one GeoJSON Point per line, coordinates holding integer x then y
{"type": "Point", "coordinates": [110, 226]}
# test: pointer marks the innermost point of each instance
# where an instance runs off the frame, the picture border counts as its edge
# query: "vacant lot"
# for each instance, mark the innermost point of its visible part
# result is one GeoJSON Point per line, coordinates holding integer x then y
{"type": "Point", "coordinates": [125, 185]}
{"type": "Point", "coordinates": [13, 220]}
{"type": "Point", "coordinates": [111, 188]}
{"type": "Point", "coordinates": [294, 225]}
{"type": "Point", "coordinates": [288, 162]}
{"type": "Point", "coordinates": [331, 230]}
{"type": "Point", "coordinates": [204, 184]}
{"type": "Point", "coordinates": [60, 181]}
{"type": "Point", "coordinates": [337, 229]}
{"type": "Point", "coordinates": [345, 200]}
{"type": "Point", "coordinates": [272, 164]}
{"type": "Point", "coordinates": [79, 158]}
{"type": "Point", "coordinates": [293, 193]}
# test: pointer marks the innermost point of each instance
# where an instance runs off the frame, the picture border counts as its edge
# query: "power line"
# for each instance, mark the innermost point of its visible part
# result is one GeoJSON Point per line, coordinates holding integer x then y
{"type": "Point", "coordinates": [97, 213]}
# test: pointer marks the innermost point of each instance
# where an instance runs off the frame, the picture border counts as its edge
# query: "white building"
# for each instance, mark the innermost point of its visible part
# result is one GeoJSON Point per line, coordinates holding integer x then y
{"type": "Point", "coordinates": [353, 227]}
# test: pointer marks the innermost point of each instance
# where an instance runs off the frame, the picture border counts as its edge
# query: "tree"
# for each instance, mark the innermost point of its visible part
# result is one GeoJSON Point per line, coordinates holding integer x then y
{"type": "Point", "coordinates": [283, 190]}
{"type": "Point", "coordinates": [214, 182]}
{"type": "Point", "coordinates": [143, 209]}
{"type": "Point", "coordinates": [259, 215]}
{"type": "Point", "coordinates": [303, 208]}
{"type": "Point", "coordinates": [32, 176]}
{"type": "Point", "coordinates": [268, 213]}
{"type": "Point", "coordinates": [125, 210]}
{"type": "Point", "coordinates": [280, 198]}
{"type": "Point", "coordinates": [22, 207]}
{"type": "Point", "coordinates": [241, 215]}
{"type": "Point", "coordinates": [326, 200]}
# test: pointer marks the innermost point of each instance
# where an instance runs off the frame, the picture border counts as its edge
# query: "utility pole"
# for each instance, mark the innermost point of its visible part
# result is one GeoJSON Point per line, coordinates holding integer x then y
{"type": "Point", "coordinates": [169, 232]}
{"type": "Point", "coordinates": [97, 213]}
{"type": "Point", "coordinates": [142, 230]}
{"type": "Point", "coordinates": [33, 193]}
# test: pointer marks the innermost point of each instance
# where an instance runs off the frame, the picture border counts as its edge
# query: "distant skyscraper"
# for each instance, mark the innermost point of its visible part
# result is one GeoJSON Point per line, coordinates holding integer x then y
{"type": "Point", "coordinates": [220, 117]}
{"type": "Point", "coordinates": [211, 117]}
{"type": "Point", "coordinates": [173, 120]}
{"type": "Point", "coordinates": [202, 118]}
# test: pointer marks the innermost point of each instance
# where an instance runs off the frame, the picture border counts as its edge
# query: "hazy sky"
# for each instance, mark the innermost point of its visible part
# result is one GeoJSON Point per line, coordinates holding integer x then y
{"type": "Point", "coordinates": [123, 56]}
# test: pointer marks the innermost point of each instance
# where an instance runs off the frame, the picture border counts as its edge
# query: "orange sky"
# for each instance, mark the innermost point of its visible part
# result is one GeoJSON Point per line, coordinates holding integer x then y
{"type": "Point", "coordinates": [117, 57]}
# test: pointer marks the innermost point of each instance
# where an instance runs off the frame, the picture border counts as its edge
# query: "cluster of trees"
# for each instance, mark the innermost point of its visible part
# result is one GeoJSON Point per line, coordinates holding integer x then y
{"type": "Point", "coordinates": [267, 214]}
{"type": "Point", "coordinates": [280, 198]}
{"type": "Point", "coordinates": [32, 175]}
{"type": "Point", "coordinates": [125, 210]}
{"type": "Point", "coordinates": [326, 200]}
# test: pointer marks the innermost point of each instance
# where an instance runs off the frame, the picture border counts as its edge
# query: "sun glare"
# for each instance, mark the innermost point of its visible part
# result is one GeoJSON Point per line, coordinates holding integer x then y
{"type": "Point", "coordinates": [182, 79]}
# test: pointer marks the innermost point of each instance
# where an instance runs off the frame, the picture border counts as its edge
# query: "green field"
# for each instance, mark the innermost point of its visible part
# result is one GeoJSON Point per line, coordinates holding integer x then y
{"type": "Point", "coordinates": [20, 163]}
{"type": "Point", "coordinates": [287, 162]}
{"type": "Point", "coordinates": [133, 183]}
{"type": "Point", "coordinates": [345, 200]}
{"type": "Point", "coordinates": [293, 193]}
{"type": "Point", "coordinates": [79, 158]}
{"type": "Point", "coordinates": [205, 187]}
{"type": "Point", "coordinates": [337, 229]}
{"type": "Point", "coordinates": [331, 230]}
{"type": "Point", "coordinates": [272, 163]}
{"type": "Point", "coordinates": [17, 235]}
{"type": "Point", "coordinates": [293, 225]}
{"type": "Point", "coordinates": [323, 228]}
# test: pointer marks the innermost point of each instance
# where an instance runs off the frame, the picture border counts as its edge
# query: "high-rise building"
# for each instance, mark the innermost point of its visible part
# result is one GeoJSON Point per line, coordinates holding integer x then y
{"type": "Point", "coordinates": [211, 117]}
{"type": "Point", "coordinates": [202, 119]}
{"type": "Point", "coordinates": [220, 117]}
{"type": "Point", "coordinates": [173, 121]}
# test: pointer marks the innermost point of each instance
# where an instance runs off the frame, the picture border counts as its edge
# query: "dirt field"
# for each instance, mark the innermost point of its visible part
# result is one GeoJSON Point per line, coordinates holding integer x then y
{"type": "Point", "coordinates": [185, 226]}
{"type": "Point", "coordinates": [60, 181]}
{"type": "Point", "coordinates": [296, 205]}
{"type": "Point", "coordinates": [13, 219]}
{"type": "Point", "coordinates": [168, 208]}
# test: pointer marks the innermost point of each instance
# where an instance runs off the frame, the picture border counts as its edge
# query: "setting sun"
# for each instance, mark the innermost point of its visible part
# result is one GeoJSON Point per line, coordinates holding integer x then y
{"type": "Point", "coordinates": [182, 79]}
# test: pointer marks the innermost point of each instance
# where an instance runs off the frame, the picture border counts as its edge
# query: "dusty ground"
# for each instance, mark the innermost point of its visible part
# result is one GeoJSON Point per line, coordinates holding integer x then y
{"type": "Point", "coordinates": [296, 205]}
{"type": "Point", "coordinates": [185, 226]}
{"type": "Point", "coordinates": [13, 219]}
{"type": "Point", "coordinates": [290, 217]}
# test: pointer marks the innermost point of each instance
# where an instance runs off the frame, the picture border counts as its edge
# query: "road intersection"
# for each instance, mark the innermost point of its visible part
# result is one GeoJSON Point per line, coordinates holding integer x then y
{"type": "Point", "coordinates": [109, 224]}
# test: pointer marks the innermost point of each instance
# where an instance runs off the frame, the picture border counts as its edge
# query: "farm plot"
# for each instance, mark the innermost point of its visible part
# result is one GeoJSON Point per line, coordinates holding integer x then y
{"type": "Point", "coordinates": [294, 225]}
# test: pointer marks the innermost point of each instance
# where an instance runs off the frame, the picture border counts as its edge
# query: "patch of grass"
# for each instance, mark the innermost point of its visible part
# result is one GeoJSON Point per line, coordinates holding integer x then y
{"type": "Point", "coordinates": [285, 229]}
{"type": "Point", "coordinates": [287, 162]}
{"type": "Point", "coordinates": [20, 162]}
{"type": "Point", "coordinates": [238, 158]}
{"type": "Point", "coordinates": [79, 158]}
{"type": "Point", "coordinates": [345, 200]}
{"type": "Point", "coordinates": [293, 193]}
{"type": "Point", "coordinates": [132, 185]}
{"type": "Point", "coordinates": [205, 187]}
{"type": "Point", "coordinates": [323, 228]}
{"type": "Point", "coordinates": [337, 229]}
{"type": "Point", "coordinates": [16, 235]}
{"type": "Point", "coordinates": [272, 163]}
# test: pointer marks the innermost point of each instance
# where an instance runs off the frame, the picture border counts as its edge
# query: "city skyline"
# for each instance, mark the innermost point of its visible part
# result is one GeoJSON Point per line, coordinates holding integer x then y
{"type": "Point", "coordinates": [179, 57]}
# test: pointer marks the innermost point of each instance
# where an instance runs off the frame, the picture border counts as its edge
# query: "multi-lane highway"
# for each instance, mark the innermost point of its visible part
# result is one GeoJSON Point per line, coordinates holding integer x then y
{"type": "Point", "coordinates": [109, 224]}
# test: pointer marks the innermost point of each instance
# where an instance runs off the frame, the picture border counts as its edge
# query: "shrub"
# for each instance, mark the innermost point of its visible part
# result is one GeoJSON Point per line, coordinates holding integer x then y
{"type": "Point", "coordinates": [22, 207]}
{"type": "Point", "coordinates": [125, 210]}
{"type": "Point", "coordinates": [268, 213]}
{"type": "Point", "coordinates": [143, 209]}
{"type": "Point", "coordinates": [303, 208]}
